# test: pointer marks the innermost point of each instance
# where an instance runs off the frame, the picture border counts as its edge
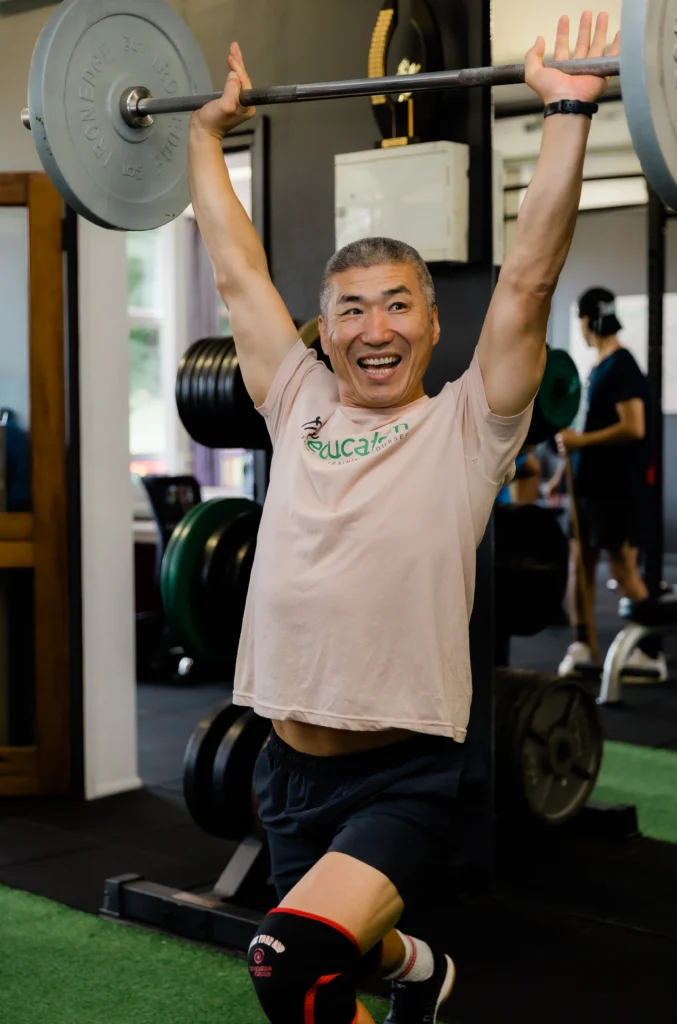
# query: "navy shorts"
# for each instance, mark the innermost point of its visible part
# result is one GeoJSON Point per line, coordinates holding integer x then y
{"type": "Point", "coordinates": [393, 808]}
{"type": "Point", "coordinates": [608, 524]}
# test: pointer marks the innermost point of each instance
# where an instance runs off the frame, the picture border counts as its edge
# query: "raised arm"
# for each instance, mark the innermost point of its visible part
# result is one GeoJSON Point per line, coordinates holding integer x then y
{"type": "Point", "coordinates": [262, 328]}
{"type": "Point", "coordinates": [511, 350]}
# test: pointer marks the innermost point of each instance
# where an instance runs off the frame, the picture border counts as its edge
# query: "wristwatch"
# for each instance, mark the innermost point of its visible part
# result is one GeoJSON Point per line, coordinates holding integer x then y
{"type": "Point", "coordinates": [571, 107]}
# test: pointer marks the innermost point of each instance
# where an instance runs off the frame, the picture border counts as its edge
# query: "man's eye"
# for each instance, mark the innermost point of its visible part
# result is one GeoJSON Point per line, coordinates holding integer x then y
{"type": "Point", "coordinates": [398, 305]}
{"type": "Point", "coordinates": [353, 312]}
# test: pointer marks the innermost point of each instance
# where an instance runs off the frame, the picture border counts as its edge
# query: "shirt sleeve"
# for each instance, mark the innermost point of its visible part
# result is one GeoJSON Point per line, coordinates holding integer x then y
{"type": "Point", "coordinates": [491, 442]}
{"type": "Point", "coordinates": [298, 367]}
{"type": "Point", "coordinates": [629, 381]}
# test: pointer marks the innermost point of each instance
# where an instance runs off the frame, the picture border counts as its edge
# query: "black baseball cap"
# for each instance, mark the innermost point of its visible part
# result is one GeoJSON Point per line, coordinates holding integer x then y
{"type": "Point", "coordinates": [599, 304]}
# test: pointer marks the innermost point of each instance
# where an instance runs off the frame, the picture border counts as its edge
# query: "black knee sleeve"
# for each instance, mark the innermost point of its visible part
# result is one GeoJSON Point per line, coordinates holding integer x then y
{"type": "Point", "coordinates": [305, 969]}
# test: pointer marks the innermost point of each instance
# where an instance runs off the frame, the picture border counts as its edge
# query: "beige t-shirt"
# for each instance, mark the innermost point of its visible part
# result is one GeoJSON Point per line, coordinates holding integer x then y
{"type": "Point", "coordinates": [363, 582]}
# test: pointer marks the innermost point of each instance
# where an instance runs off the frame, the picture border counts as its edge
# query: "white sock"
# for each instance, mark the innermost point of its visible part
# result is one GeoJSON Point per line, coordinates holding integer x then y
{"type": "Point", "coordinates": [418, 963]}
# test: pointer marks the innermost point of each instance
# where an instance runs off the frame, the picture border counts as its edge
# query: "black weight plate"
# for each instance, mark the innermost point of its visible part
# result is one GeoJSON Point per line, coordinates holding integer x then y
{"type": "Point", "coordinates": [183, 386]}
{"type": "Point", "coordinates": [198, 762]}
{"type": "Point", "coordinates": [561, 751]}
{"type": "Point", "coordinates": [196, 369]}
{"type": "Point", "coordinates": [202, 411]}
{"type": "Point", "coordinates": [549, 745]}
{"type": "Point", "coordinates": [191, 372]}
{"type": "Point", "coordinates": [228, 423]}
{"type": "Point", "coordinates": [226, 568]}
{"type": "Point", "coordinates": [211, 400]}
{"type": "Point", "coordinates": [232, 776]}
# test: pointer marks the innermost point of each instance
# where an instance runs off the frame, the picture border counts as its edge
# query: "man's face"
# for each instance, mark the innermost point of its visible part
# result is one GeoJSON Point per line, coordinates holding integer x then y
{"type": "Point", "coordinates": [379, 335]}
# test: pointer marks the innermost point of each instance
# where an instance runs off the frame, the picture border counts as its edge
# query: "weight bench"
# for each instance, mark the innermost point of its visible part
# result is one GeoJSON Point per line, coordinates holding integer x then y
{"type": "Point", "coordinates": [651, 617]}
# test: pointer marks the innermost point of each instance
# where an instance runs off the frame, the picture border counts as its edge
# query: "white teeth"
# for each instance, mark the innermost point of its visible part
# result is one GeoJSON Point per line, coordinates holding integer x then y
{"type": "Point", "coordinates": [384, 361]}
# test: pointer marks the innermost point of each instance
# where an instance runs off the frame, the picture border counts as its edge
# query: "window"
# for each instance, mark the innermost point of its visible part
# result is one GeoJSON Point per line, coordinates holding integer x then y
{"type": "Point", "coordinates": [145, 298]}
{"type": "Point", "coordinates": [164, 277]}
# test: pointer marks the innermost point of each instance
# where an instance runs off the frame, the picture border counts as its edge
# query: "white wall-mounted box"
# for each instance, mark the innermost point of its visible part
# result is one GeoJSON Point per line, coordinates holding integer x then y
{"type": "Point", "coordinates": [418, 194]}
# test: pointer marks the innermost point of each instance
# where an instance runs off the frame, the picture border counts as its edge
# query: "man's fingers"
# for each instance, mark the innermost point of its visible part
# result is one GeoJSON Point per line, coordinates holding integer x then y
{"type": "Point", "coordinates": [584, 36]}
{"type": "Point", "coordinates": [236, 61]}
{"type": "Point", "coordinates": [598, 47]}
{"type": "Point", "coordinates": [562, 51]}
{"type": "Point", "coordinates": [534, 58]}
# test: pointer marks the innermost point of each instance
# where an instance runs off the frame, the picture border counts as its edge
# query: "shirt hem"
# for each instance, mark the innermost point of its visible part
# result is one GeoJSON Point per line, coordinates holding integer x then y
{"type": "Point", "coordinates": [330, 721]}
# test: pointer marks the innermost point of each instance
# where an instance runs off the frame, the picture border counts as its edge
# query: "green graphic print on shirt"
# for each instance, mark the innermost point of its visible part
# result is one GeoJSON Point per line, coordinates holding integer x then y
{"type": "Point", "coordinates": [352, 449]}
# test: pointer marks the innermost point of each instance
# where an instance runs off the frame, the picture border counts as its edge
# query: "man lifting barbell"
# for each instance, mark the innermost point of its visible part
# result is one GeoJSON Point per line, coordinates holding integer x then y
{"type": "Point", "coordinates": [355, 638]}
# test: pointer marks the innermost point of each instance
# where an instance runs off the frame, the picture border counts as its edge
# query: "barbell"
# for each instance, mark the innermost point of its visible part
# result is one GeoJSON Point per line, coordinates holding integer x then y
{"type": "Point", "coordinates": [111, 84]}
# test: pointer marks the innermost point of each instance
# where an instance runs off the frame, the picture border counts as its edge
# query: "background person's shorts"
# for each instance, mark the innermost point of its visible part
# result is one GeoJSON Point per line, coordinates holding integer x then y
{"type": "Point", "coordinates": [392, 808]}
{"type": "Point", "coordinates": [610, 523]}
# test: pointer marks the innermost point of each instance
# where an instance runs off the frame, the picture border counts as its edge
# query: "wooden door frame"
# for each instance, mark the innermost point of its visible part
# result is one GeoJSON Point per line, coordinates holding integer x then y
{"type": "Point", "coordinates": [39, 539]}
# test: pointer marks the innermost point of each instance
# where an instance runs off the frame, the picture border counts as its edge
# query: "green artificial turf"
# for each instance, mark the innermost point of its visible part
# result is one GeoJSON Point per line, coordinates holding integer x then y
{"type": "Point", "coordinates": [60, 966]}
{"type": "Point", "coordinates": [647, 778]}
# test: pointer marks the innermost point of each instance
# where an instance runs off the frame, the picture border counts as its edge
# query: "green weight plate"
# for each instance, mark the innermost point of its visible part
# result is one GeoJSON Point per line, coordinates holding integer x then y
{"type": "Point", "coordinates": [224, 582]}
{"type": "Point", "coordinates": [183, 568]}
{"type": "Point", "coordinates": [88, 54]}
{"type": "Point", "coordinates": [558, 399]}
{"type": "Point", "coordinates": [170, 597]}
{"type": "Point", "coordinates": [198, 763]}
{"type": "Point", "coordinates": [648, 80]}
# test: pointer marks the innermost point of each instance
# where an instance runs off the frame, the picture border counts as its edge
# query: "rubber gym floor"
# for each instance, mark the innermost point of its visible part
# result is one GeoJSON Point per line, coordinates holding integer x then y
{"type": "Point", "coordinates": [580, 928]}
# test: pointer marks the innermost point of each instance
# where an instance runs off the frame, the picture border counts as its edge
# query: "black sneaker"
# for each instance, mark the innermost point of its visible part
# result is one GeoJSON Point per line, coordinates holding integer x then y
{"type": "Point", "coordinates": [417, 1002]}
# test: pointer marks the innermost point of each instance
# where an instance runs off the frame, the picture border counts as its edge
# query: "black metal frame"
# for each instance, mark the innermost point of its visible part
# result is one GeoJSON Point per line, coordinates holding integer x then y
{"type": "Point", "coordinates": [201, 917]}
{"type": "Point", "coordinates": [73, 485]}
{"type": "Point", "coordinates": [656, 262]}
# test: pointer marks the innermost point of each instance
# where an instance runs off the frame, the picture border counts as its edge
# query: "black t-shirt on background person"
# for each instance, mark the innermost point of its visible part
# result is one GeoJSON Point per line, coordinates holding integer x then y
{"type": "Point", "coordinates": [614, 470]}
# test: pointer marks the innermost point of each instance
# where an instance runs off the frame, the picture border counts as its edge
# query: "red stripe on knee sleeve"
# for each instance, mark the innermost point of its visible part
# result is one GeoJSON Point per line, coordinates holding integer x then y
{"type": "Point", "coordinates": [311, 994]}
{"type": "Point", "coordinates": [322, 920]}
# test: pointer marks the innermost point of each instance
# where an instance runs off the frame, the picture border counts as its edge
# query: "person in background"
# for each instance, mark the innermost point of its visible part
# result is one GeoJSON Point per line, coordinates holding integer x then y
{"type": "Point", "coordinates": [525, 490]}
{"type": "Point", "coordinates": [611, 461]}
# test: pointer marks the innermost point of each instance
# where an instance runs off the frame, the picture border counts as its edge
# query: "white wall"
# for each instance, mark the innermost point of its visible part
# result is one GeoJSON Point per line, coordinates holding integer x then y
{"type": "Point", "coordinates": [518, 22]}
{"type": "Point", "coordinates": [18, 35]}
{"type": "Point", "coordinates": [107, 552]}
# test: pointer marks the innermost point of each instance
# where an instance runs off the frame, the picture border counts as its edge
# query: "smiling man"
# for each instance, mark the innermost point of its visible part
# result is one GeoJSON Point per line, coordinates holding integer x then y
{"type": "Point", "coordinates": [355, 640]}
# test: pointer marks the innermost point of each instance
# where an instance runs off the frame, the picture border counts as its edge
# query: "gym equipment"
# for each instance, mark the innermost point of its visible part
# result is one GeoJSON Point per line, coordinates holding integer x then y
{"type": "Point", "coordinates": [87, 58]}
{"type": "Point", "coordinates": [208, 618]}
{"type": "Point", "coordinates": [227, 561]}
{"type": "Point", "coordinates": [198, 763]}
{"type": "Point", "coordinates": [558, 398]}
{"type": "Point", "coordinates": [651, 617]}
{"type": "Point", "coordinates": [233, 803]}
{"type": "Point", "coordinates": [100, 136]}
{"type": "Point", "coordinates": [212, 401]}
{"type": "Point", "coordinates": [549, 745]}
{"type": "Point", "coordinates": [531, 564]}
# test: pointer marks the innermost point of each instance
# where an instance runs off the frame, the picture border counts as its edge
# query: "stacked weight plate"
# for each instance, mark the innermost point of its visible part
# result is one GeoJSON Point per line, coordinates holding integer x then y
{"type": "Point", "coordinates": [558, 399]}
{"type": "Point", "coordinates": [218, 771]}
{"type": "Point", "coordinates": [549, 745]}
{"type": "Point", "coordinates": [205, 576]}
{"type": "Point", "coordinates": [212, 400]}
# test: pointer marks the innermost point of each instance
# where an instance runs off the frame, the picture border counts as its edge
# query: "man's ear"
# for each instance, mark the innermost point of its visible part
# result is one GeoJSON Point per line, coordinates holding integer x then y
{"type": "Point", "coordinates": [437, 330]}
{"type": "Point", "coordinates": [322, 324]}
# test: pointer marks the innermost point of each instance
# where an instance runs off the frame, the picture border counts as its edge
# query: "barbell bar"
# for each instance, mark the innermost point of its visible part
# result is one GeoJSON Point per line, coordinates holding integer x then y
{"type": "Point", "coordinates": [507, 74]}
{"type": "Point", "coordinates": [111, 84]}
{"type": "Point", "coordinates": [138, 104]}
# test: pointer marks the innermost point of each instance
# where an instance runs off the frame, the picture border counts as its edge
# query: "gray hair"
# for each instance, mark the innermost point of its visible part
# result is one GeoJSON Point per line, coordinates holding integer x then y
{"type": "Point", "coordinates": [375, 252]}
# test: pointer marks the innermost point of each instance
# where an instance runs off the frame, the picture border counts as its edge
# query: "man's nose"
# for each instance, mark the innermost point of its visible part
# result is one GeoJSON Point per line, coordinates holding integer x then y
{"type": "Point", "coordinates": [375, 328]}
